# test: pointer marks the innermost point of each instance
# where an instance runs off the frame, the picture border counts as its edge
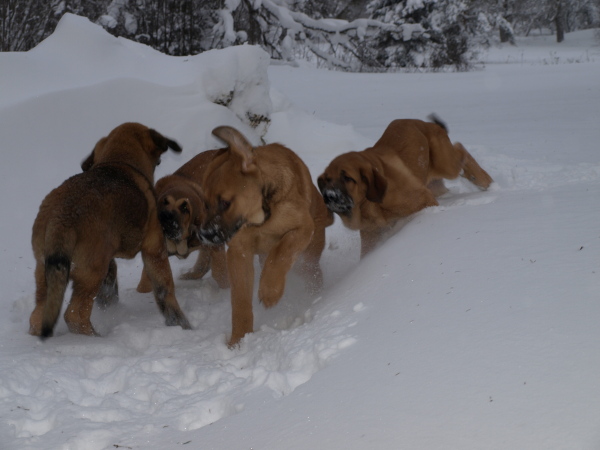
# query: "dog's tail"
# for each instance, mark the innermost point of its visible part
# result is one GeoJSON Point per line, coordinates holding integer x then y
{"type": "Point", "coordinates": [433, 117]}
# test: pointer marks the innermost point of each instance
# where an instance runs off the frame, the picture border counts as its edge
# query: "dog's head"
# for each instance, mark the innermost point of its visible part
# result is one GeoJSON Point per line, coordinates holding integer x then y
{"type": "Point", "coordinates": [134, 144]}
{"type": "Point", "coordinates": [350, 179]}
{"type": "Point", "coordinates": [180, 212]}
{"type": "Point", "coordinates": [233, 189]}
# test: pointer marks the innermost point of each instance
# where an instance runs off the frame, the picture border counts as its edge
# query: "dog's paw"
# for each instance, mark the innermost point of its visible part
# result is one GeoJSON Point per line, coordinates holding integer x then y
{"type": "Point", "coordinates": [82, 327]}
{"type": "Point", "coordinates": [193, 275]}
{"type": "Point", "coordinates": [144, 286]}
{"type": "Point", "coordinates": [234, 342]}
{"type": "Point", "coordinates": [269, 295]}
{"type": "Point", "coordinates": [175, 318]}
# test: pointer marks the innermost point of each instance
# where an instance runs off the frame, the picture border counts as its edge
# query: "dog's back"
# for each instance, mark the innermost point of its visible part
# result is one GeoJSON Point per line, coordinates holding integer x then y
{"type": "Point", "coordinates": [101, 202]}
{"type": "Point", "coordinates": [195, 167]}
{"type": "Point", "coordinates": [83, 220]}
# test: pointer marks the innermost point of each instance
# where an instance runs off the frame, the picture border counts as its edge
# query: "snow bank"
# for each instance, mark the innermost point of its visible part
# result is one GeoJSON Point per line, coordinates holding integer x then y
{"type": "Point", "coordinates": [80, 53]}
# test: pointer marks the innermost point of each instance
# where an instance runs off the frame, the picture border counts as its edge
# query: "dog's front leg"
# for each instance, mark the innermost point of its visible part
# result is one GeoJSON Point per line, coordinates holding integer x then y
{"type": "Point", "coordinates": [145, 285]}
{"type": "Point", "coordinates": [280, 260]}
{"type": "Point", "coordinates": [201, 266]}
{"type": "Point", "coordinates": [240, 266]}
{"type": "Point", "coordinates": [218, 266]}
{"type": "Point", "coordinates": [369, 240]}
{"type": "Point", "coordinates": [158, 269]}
{"type": "Point", "coordinates": [159, 272]}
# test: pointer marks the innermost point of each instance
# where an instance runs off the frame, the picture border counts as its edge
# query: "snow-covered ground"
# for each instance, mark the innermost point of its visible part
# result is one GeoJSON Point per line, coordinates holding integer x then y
{"type": "Point", "coordinates": [474, 327]}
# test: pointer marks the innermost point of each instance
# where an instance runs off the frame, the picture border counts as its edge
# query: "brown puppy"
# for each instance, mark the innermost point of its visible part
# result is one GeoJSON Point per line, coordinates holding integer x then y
{"type": "Point", "coordinates": [107, 211]}
{"type": "Point", "coordinates": [262, 201]}
{"type": "Point", "coordinates": [181, 211]}
{"type": "Point", "coordinates": [400, 175]}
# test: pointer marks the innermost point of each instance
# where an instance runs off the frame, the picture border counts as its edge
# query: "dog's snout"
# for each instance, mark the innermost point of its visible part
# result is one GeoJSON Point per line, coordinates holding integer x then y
{"type": "Point", "coordinates": [331, 195]}
{"type": "Point", "coordinates": [212, 234]}
{"type": "Point", "coordinates": [337, 201]}
{"type": "Point", "coordinates": [170, 225]}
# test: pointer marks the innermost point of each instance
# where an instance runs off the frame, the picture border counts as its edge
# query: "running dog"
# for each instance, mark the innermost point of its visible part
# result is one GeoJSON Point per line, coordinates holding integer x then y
{"type": "Point", "coordinates": [401, 174]}
{"type": "Point", "coordinates": [262, 201]}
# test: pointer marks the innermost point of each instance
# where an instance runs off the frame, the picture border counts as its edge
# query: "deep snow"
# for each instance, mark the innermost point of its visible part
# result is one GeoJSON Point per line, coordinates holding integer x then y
{"type": "Point", "coordinates": [475, 326]}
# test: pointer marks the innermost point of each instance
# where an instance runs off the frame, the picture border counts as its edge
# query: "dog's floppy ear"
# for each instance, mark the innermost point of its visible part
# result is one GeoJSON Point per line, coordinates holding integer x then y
{"type": "Point", "coordinates": [321, 182]}
{"type": "Point", "coordinates": [376, 184]}
{"type": "Point", "coordinates": [164, 143]}
{"type": "Point", "coordinates": [88, 162]}
{"type": "Point", "coordinates": [238, 144]}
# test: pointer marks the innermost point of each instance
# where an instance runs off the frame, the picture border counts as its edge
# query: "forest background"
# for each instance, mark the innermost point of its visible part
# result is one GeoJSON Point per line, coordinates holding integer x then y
{"type": "Point", "coordinates": [352, 35]}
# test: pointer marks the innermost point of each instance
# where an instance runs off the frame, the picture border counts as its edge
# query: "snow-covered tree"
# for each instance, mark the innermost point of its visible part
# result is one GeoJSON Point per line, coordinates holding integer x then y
{"type": "Point", "coordinates": [175, 27]}
{"type": "Point", "coordinates": [288, 34]}
{"type": "Point", "coordinates": [24, 23]}
{"type": "Point", "coordinates": [425, 33]}
{"type": "Point", "coordinates": [521, 17]}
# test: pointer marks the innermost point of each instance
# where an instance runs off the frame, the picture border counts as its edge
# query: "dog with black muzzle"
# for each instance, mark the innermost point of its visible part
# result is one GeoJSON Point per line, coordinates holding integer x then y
{"type": "Point", "coordinates": [401, 174]}
{"type": "Point", "coordinates": [181, 211]}
{"type": "Point", "coordinates": [262, 201]}
{"type": "Point", "coordinates": [106, 212]}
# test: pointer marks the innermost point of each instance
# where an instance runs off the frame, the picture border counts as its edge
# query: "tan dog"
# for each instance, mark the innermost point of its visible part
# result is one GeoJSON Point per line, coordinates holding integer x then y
{"type": "Point", "coordinates": [262, 201]}
{"type": "Point", "coordinates": [400, 175]}
{"type": "Point", "coordinates": [107, 211]}
{"type": "Point", "coordinates": [181, 211]}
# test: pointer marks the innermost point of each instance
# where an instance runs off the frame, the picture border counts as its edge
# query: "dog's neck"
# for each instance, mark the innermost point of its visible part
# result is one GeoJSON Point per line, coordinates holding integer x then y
{"type": "Point", "coordinates": [130, 166]}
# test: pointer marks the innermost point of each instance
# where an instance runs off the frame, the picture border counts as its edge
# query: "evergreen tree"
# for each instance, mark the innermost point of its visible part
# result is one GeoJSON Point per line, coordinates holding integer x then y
{"type": "Point", "coordinates": [425, 33]}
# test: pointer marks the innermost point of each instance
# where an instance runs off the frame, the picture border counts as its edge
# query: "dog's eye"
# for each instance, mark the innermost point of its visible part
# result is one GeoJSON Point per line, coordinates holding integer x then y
{"type": "Point", "coordinates": [184, 208]}
{"type": "Point", "coordinates": [165, 201]}
{"type": "Point", "coordinates": [224, 205]}
{"type": "Point", "coordinates": [158, 162]}
{"type": "Point", "coordinates": [348, 179]}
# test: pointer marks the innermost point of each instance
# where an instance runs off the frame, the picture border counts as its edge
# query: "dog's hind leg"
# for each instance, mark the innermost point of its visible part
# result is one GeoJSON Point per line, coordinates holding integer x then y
{"type": "Point", "coordinates": [449, 160]}
{"type": "Point", "coordinates": [79, 311]}
{"type": "Point", "coordinates": [35, 320]}
{"type": "Point", "coordinates": [471, 170]}
{"type": "Point", "coordinates": [108, 294]}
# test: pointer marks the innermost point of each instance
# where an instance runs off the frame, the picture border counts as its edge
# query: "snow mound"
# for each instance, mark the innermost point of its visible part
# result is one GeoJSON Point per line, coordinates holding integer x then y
{"type": "Point", "coordinates": [80, 53]}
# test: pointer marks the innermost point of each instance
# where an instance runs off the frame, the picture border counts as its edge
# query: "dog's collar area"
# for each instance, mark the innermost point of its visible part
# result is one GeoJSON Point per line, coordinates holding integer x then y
{"type": "Point", "coordinates": [130, 166]}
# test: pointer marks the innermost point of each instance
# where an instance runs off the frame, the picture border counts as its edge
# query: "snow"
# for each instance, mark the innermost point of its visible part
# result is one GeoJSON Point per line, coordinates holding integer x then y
{"type": "Point", "coordinates": [474, 326]}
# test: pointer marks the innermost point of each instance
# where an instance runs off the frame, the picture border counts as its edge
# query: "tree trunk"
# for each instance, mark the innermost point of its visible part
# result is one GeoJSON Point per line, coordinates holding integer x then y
{"type": "Point", "coordinates": [559, 22]}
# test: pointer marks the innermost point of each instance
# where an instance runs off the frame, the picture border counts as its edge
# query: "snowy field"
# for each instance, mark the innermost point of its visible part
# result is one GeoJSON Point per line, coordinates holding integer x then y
{"type": "Point", "coordinates": [474, 327]}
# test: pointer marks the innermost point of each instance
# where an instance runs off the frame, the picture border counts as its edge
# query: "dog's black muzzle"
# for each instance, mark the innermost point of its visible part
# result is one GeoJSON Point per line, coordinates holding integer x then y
{"type": "Point", "coordinates": [170, 225]}
{"type": "Point", "coordinates": [213, 233]}
{"type": "Point", "coordinates": [336, 201]}
{"type": "Point", "coordinates": [212, 236]}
